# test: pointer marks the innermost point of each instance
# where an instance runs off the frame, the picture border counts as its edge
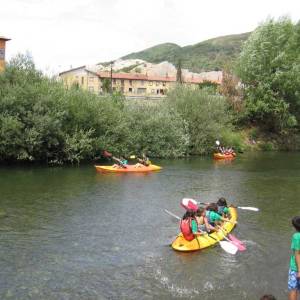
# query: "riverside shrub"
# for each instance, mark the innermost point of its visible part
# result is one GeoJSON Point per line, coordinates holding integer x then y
{"type": "Point", "coordinates": [206, 116]}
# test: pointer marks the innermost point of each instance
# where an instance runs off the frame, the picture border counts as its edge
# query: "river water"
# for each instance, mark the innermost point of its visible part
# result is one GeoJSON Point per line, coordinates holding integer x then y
{"type": "Point", "coordinates": [73, 233]}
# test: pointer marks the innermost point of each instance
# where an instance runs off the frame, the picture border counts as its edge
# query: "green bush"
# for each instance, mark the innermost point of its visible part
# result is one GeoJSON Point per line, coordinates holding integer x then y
{"type": "Point", "coordinates": [205, 115]}
{"type": "Point", "coordinates": [267, 146]}
{"type": "Point", "coordinates": [42, 121]}
{"type": "Point", "coordinates": [233, 139]}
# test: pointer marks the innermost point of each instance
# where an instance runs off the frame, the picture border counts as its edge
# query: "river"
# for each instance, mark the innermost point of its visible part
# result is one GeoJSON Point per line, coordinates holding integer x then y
{"type": "Point", "coordinates": [73, 233]}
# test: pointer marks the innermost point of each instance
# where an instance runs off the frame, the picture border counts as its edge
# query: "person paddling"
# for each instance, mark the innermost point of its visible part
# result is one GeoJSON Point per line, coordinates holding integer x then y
{"type": "Point", "coordinates": [213, 217]}
{"type": "Point", "coordinates": [189, 226]}
{"type": "Point", "coordinates": [121, 162]}
{"type": "Point", "coordinates": [144, 160]}
{"type": "Point", "coordinates": [223, 209]}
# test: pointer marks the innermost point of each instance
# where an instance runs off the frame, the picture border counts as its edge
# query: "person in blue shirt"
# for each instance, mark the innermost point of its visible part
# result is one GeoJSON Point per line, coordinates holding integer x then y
{"type": "Point", "coordinates": [294, 270]}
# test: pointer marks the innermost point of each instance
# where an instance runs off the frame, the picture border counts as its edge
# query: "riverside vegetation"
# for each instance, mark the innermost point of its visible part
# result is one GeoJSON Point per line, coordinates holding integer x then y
{"type": "Point", "coordinates": [41, 121]}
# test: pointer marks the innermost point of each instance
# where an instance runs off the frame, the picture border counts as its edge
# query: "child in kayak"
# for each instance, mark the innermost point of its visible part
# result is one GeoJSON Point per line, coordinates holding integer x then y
{"type": "Point", "coordinates": [189, 226]}
{"type": "Point", "coordinates": [144, 160]}
{"type": "Point", "coordinates": [223, 209]}
{"type": "Point", "coordinates": [121, 162]}
{"type": "Point", "coordinates": [203, 225]}
{"type": "Point", "coordinates": [294, 270]}
{"type": "Point", "coordinates": [213, 217]}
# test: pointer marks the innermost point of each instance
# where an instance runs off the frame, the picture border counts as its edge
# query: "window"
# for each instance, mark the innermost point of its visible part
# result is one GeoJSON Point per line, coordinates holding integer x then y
{"type": "Point", "coordinates": [122, 81]}
{"type": "Point", "coordinates": [91, 79]}
{"type": "Point", "coordinates": [152, 91]}
{"type": "Point", "coordinates": [164, 84]}
{"type": "Point", "coordinates": [150, 82]}
{"type": "Point", "coordinates": [130, 90]}
{"type": "Point", "coordinates": [157, 83]}
{"type": "Point", "coordinates": [141, 91]}
{"type": "Point", "coordinates": [142, 82]}
{"type": "Point", "coordinates": [114, 81]}
{"type": "Point", "coordinates": [130, 82]}
{"type": "Point", "coordinates": [82, 80]}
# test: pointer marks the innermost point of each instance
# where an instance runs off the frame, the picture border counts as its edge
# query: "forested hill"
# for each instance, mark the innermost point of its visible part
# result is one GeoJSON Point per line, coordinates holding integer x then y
{"type": "Point", "coordinates": [205, 56]}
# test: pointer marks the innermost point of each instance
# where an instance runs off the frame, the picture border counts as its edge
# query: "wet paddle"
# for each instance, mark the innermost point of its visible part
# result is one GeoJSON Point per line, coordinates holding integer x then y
{"type": "Point", "coordinates": [171, 214]}
{"type": "Point", "coordinates": [226, 246]}
{"type": "Point", "coordinates": [239, 207]}
{"type": "Point", "coordinates": [237, 244]}
{"type": "Point", "coordinates": [234, 238]}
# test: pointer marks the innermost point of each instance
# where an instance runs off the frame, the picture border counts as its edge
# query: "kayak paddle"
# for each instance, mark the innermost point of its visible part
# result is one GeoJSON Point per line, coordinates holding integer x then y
{"type": "Point", "coordinates": [234, 238]}
{"type": "Point", "coordinates": [240, 207]}
{"type": "Point", "coordinates": [226, 246]}
{"type": "Point", "coordinates": [173, 215]}
{"type": "Point", "coordinates": [237, 244]}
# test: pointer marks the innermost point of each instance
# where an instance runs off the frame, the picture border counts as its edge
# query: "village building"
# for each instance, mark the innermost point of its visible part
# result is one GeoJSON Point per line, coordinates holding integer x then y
{"type": "Point", "coordinates": [3, 41]}
{"type": "Point", "coordinates": [131, 85]}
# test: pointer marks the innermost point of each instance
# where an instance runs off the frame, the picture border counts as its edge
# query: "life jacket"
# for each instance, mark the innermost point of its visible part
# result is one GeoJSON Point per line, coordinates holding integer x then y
{"type": "Point", "coordinates": [186, 229]}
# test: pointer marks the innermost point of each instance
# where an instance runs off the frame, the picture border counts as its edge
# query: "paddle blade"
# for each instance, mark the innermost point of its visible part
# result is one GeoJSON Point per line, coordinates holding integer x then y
{"type": "Point", "coordinates": [235, 239]}
{"type": "Point", "coordinates": [248, 208]}
{"type": "Point", "coordinates": [236, 242]}
{"type": "Point", "coordinates": [132, 157]}
{"type": "Point", "coordinates": [229, 247]}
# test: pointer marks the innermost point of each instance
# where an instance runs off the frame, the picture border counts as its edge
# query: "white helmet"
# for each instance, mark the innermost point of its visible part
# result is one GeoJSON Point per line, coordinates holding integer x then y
{"type": "Point", "coordinates": [217, 143]}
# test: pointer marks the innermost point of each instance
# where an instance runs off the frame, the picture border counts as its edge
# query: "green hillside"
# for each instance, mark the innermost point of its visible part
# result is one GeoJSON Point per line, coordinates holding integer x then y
{"type": "Point", "coordinates": [205, 56]}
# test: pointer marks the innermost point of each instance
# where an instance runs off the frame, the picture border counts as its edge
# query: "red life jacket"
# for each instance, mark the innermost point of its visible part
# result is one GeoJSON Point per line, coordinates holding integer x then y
{"type": "Point", "coordinates": [186, 229]}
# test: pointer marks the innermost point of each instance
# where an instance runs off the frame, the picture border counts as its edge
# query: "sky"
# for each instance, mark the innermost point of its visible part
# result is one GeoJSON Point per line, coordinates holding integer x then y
{"type": "Point", "coordinates": [61, 34]}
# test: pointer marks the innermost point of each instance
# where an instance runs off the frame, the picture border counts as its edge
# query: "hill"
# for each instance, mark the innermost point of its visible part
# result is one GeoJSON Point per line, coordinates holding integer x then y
{"type": "Point", "coordinates": [204, 56]}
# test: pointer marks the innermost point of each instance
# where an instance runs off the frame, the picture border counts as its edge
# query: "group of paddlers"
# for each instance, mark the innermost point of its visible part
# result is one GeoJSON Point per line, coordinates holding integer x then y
{"type": "Point", "coordinates": [199, 220]}
{"type": "Point", "coordinates": [123, 162]}
{"type": "Point", "coordinates": [224, 150]}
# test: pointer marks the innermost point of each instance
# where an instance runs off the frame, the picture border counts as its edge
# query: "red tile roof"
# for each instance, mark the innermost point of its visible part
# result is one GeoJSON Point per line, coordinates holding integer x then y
{"type": "Point", "coordinates": [137, 76]}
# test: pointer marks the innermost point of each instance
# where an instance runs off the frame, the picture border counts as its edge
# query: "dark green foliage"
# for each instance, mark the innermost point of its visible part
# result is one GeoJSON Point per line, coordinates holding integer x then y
{"type": "Point", "coordinates": [205, 56]}
{"type": "Point", "coordinates": [269, 67]}
{"type": "Point", "coordinates": [106, 85]}
{"type": "Point", "coordinates": [42, 121]}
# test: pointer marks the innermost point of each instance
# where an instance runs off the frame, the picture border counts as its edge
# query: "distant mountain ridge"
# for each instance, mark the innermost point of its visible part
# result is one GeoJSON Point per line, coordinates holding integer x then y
{"type": "Point", "coordinates": [208, 55]}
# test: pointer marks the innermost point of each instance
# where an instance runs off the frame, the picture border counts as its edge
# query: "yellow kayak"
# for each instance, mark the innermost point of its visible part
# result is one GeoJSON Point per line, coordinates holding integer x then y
{"type": "Point", "coordinates": [129, 168]}
{"type": "Point", "coordinates": [201, 242]}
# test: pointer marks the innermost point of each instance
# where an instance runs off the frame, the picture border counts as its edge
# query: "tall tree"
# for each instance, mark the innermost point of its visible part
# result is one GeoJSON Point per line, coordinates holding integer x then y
{"type": "Point", "coordinates": [179, 72]}
{"type": "Point", "coordinates": [269, 67]}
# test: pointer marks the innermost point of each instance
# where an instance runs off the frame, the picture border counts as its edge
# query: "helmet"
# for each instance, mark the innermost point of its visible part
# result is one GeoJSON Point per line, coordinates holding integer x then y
{"type": "Point", "coordinates": [189, 204]}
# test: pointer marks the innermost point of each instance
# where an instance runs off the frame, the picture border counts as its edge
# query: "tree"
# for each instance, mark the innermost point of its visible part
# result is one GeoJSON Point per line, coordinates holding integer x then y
{"type": "Point", "coordinates": [269, 67]}
{"type": "Point", "coordinates": [106, 85]}
{"type": "Point", "coordinates": [179, 72]}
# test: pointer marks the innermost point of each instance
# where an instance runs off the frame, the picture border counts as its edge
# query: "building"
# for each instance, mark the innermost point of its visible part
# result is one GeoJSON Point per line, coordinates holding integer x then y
{"type": "Point", "coordinates": [131, 85]}
{"type": "Point", "coordinates": [3, 41]}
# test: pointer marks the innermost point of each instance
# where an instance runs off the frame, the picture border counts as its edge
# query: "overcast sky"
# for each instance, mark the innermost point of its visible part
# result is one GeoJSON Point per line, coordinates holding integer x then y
{"type": "Point", "coordinates": [64, 33]}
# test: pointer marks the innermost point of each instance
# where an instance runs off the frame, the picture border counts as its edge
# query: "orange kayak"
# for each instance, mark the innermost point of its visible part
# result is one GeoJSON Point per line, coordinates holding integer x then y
{"type": "Point", "coordinates": [129, 168]}
{"type": "Point", "coordinates": [224, 156]}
